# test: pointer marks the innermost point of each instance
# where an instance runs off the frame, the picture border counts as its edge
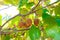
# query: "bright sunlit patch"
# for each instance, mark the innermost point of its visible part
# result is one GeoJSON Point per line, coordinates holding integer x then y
{"type": "Point", "coordinates": [53, 1]}
{"type": "Point", "coordinates": [9, 12]}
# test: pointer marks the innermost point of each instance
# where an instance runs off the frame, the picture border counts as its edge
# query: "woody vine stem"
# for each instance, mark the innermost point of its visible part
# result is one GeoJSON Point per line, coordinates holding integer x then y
{"type": "Point", "coordinates": [30, 12]}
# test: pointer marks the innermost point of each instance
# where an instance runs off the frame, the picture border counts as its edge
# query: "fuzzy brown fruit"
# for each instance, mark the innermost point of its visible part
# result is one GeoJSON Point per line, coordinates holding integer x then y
{"type": "Point", "coordinates": [22, 24]}
{"type": "Point", "coordinates": [28, 22]}
{"type": "Point", "coordinates": [36, 22]}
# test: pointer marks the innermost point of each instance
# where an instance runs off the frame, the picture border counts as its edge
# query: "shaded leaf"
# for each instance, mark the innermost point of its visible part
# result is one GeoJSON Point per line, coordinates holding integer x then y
{"type": "Point", "coordinates": [57, 20]}
{"type": "Point", "coordinates": [56, 9]}
{"type": "Point", "coordinates": [48, 19]}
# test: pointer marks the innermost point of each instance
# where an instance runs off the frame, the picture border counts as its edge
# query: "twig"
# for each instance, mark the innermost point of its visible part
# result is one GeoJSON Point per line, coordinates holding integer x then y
{"type": "Point", "coordinates": [47, 5]}
{"type": "Point", "coordinates": [36, 5]}
{"type": "Point", "coordinates": [9, 20]}
{"type": "Point", "coordinates": [43, 37]}
{"type": "Point", "coordinates": [31, 11]}
{"type": "Point", "coordinates": [27, 14]}
{"type": "Point", "coordinates": [2, 32]}
{"type": "Point", "coordinates": [21, 15]}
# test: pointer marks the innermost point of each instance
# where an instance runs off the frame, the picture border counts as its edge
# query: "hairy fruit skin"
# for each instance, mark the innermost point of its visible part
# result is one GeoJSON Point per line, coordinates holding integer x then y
{"type": "Point", "coordinates": [36, 22]}
{"type": "Point", "coordinates": [28, 22]}
{"type": "Point", "coordinates": [25, 24]}
{"type": "Point", "coordinates": [21, 24]}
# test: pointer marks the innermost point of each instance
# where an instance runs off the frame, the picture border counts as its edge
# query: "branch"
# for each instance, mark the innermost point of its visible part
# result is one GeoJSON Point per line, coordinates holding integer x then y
{"type": "Point", "coordinates": [9, 20]}
{"type": "Point", "coordinates": [21, 14]}
{"type": "Point", "coordinates": [52, 3]}
{"type": "Point", "coordinates": [2, 32]}
{"type": "Point", "coordinates": [31, 11]}
{"type": "Point", "coordinates": [36, 5]}
{"type": "Point", "coordinates": [47, 5]}
{"type": "Point", "coordinates": [27, 14]}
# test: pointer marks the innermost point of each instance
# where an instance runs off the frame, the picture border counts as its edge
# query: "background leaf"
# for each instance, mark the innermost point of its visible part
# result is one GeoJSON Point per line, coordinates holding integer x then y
{"type": "Point", "coordinates": [52, 32]}
{"type": "Point", "coordinates": [13, 2]}
{"type": "Point", "coordinates": [7, 37]}
{"type": "Point", "coordinates": [23, 11]}
{"type": "Point", "coordinates": [22, 2]}
{"type": "Point", "coordinates": [58, 21]}
{"type": "Point", "coordinates": [0, 20]}
{"type": "Point", "coordinates": [56, 10]}
{"type": "Point", "coordinates": [48, 19]}
{"type": "Point", "coordinates": [57, 37]}
{"type": "Point", "coordinates": [14, 21]}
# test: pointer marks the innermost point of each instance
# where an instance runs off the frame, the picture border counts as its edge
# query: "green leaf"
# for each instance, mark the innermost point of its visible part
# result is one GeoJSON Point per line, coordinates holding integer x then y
{"type": "Point", "coordinates": [51, 11]}
{"type": "Point", "coordinates": [58, 21]}
{"type": "Point", "coordinates": [13, 2]}
{"type": "Point", "coordinates": [48, 19]}
{"type": "Point", "coordinates": [31, 16]}
{"type": "Point", "coordinates": [57, 37]}
{"type": "Point", "coordinates": [45, 10]}
{"type": "Point", "coordinates": [56, 9]}
{"type": "Point", "coordinates": [7, 1]}
{"type": "Point", "coordinates": [39, 12]}
{"type": "Point", "coordinates": [29, 5]}
{"type": "Point", "coordinates": [7, 37]}
{"type": "Point", "coordinates": [22, 2]}
{"type": "Point", "coordinates": [0, 20]}
{"type": "Point", "coordinates": [47, 2]}
{"type": "Point", "coordinates": [52, 32]}
{"type": "Point", "coordinates": [23, 11]}
{"type": "Point", "coordinates": [15, 20]}
{"type": "Point", "coordinates": [34, 33]}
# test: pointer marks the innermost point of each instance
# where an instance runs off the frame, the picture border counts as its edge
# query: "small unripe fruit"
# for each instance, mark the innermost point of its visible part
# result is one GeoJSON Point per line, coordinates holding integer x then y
{"type": "Point", "coordinates": [36, 22]}
{"type": "Point", "coordinates": [28, 22]}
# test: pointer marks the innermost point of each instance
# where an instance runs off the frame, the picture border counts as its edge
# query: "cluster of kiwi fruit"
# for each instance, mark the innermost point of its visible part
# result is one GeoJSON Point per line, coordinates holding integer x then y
{"type": "Point", "coordinates": [28, 23]}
